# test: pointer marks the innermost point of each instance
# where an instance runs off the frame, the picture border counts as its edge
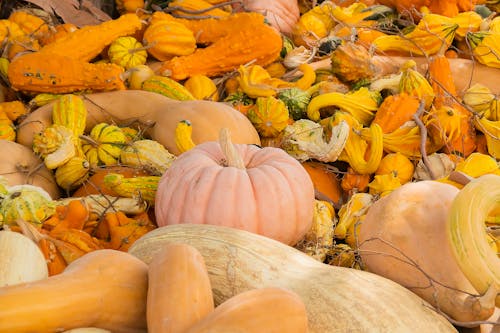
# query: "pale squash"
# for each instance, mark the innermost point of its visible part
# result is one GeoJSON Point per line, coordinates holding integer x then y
{"type": "Point", "coordinates": [104, 288]}
{"type": "Point", "coordinates": [465, 72]}
{"type": "Point", "coordinates": [270, 310]}
{"type": "Point", "coordinates": [404, 237]}
{"type": "Point", "coordinates": [179, 291]}
{"type": "Point", "coordinates": [24, 167]}
{"type": "Point", "coordinates": [337, 299]}
{"type": "Point", "coordinates": [157, 114]}
{"type": "Point", "coordinates": [20, 259]}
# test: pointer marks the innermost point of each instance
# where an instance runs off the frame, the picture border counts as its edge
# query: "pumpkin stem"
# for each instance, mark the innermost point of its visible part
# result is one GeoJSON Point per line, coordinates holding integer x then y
{"type": "Point", "coordinates": [233, 158]}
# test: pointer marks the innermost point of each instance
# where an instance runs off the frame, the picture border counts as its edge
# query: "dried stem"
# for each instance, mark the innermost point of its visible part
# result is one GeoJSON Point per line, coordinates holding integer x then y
{"type": "Point", "coordinates": [233, 158]}
{"type": "Point", "coordinates": [423, 139]}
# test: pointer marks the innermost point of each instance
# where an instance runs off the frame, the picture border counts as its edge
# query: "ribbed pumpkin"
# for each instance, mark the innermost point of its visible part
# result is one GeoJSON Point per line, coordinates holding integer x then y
{"type": "Point", "coordinates": [104, 145]}
{"type": "Point", "coordinates": [269, 115]}
{"type": "Point", "coordinates": [167, 38]}
{"type": "Point", "coordinates": [127, 52]}
{"type": "Point", "coordinates": [261, 190]}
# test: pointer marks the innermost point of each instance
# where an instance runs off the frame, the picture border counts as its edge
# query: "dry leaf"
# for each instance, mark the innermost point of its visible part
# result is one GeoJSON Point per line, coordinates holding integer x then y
{"type": "Point", "coordinates": [79, 13]}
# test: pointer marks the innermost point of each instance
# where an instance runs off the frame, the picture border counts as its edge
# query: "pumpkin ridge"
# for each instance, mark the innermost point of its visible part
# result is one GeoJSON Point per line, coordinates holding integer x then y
{"type": "Point", "coordinates": [178, 181]}
{"type": "Point", "coordinates": [200, 208]}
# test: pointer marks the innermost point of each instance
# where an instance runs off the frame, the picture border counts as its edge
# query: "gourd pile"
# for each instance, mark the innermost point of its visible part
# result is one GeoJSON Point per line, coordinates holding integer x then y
{"type": "Point", "coordinates": [325, 167]}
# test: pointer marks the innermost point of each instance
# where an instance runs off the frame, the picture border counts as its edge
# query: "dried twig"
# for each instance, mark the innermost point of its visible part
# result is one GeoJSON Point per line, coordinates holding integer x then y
{"type": "Point", "coordinates": [423, 139]}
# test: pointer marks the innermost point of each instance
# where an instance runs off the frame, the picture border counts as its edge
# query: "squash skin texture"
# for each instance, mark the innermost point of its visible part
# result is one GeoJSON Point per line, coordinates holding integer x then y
{"type": "Point", "coordinates": [229, 47]}
{"type": "Point", "coordinates": [404, 237]}
{"type": "Point", "coordinates": [238, 261]}
{"type": "Point", "coordinates": [275, 309]}
{"type": "Point", "coordinates": [104, 288]}
{"type": "Point", "coordinates": [172, 305]}
{"type": "Point", "coordinates": [271, 195]}
{"type": "Point", "coordinates": [24, 156]}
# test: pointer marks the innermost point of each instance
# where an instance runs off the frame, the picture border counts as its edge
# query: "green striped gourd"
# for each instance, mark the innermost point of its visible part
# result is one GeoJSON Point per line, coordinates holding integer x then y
{"type": "Point", "coordinates": [104, 145]}
{"type": "Point", "coordinates": [167, 87]}
{"type": "Point", "coordinates": [70, 112]}
{"type": "Point", "coordinates": [143, 187]}
{"type": "Point", "coordinates": [148, 154]}
{"type": "Point", "coordinates": [73, 173]}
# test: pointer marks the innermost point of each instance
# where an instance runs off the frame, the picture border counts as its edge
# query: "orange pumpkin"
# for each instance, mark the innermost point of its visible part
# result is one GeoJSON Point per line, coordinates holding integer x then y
{"type": "Point", "coordinates": [261, 190]}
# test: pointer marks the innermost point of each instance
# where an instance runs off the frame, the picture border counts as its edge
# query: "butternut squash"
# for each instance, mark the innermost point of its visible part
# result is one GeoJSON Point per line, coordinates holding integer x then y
{"type": "Point", "coordinates": [179, 291]}
{"type": "Point", "coordinates": [155, 113]}
{"type": "Point", "coordinates": [104, 288]}
{"type": "Point", "coordinates": [404, 237]}
{"type": "Point", "coordinates": [337, 299]}
{"type": "Point", "coordinates": [270, 310]}
{"type": "Point", "coordinates": [465, 72]}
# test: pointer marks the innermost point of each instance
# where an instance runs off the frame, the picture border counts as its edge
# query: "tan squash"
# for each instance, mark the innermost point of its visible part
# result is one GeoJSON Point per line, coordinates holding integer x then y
{"type": "Point", "coordinates": [24, 167]}
{"type": "Point", "coordinates": [270, 310]}
{"type": "Point", "coordinates": [104, 288]}
{"type": "Point", "coordinates": [465, 72]}
{"type": "Point", "coordinates": [157, 114]}
{"type": "Point", "coordinates": [179, 291]}
{"type": "Point", "coordinates": [404, 237]}
{"type": "Point", "coordinates": [337, 299]}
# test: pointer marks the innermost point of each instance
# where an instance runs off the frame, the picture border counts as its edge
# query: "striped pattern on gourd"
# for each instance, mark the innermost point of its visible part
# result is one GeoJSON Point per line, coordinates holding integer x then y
{"type": "Point", "coordinates": [133, 187]}
{"type": "Point", "coordinates": [104, 144]}
{"type": "Point", "coordinates": [73, 173]}
{"type": "Point", "coordinates": [167, 87]}
{"type": "Point", "coordinates": [148, 154]}
{"type": "Point", "coordinates": [70, 112]}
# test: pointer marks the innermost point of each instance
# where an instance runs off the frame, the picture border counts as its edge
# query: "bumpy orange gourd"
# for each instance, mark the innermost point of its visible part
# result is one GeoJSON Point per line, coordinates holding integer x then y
{"type": "Point", "coordinates": [172, 305]}
{"type": "Point", "coordinates": [262, 190]}
{"type": "Point", "coordinates": [396, 110]}
{"type": "Point", "coordinates": [232, 41]}
{"type": "Point", "coordinates": [71, 299]}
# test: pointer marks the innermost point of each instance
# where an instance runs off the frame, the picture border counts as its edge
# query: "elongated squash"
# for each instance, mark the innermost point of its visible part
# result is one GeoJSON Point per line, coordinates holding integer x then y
{"type": "Point", "coordinates": [179, 292]}
{"type": "Point", "coordinates": [273, 310]}
{"type": "Point", "coordinates": [104, 288]}
{"type": "Point", "coordinates": [337, 299]}
{"type": "Point", "coordinates": [158, 116]}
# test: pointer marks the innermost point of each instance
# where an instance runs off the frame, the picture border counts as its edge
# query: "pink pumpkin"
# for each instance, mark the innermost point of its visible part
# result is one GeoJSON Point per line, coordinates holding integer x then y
{"type": "Point", "coordinates": [261, 190]}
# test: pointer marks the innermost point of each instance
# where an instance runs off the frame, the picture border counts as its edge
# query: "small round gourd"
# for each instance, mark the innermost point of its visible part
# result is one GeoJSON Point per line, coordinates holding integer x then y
{"type": "Point", "coordinates": [261, 190]}
{"type": "Point", "coordinates": [127, 52]}
{"type": "Point", "coordinates": [166, 39]}
{"type": "Point", "coordinates": [269, 115]}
